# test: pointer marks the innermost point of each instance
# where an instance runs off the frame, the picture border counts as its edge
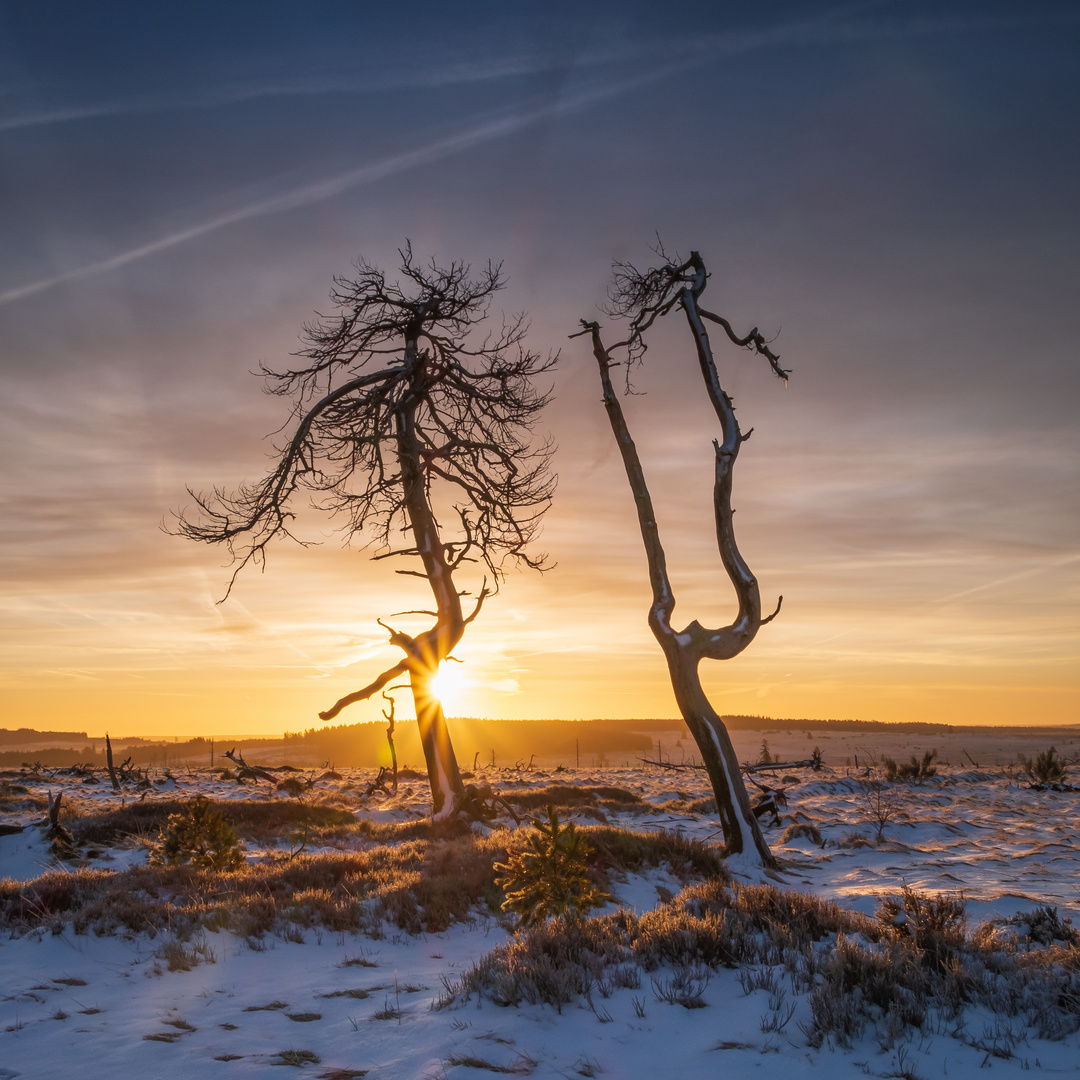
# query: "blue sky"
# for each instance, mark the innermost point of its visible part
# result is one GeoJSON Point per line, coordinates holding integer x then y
{"type": "Point", "coordinates": [889, 187]}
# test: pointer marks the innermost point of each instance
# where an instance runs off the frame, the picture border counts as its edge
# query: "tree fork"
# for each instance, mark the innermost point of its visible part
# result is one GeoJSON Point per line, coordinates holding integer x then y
{"type": "Point", "coordinates": [643, 297]}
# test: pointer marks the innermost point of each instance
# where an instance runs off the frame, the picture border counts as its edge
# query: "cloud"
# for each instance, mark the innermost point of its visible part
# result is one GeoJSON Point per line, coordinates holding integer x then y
{"type": "Point", "coordinates": [318, 191]}
{"type": "Point", "coordinates": [507, 67]}
{"type": "Point", "coordinates": [1022, 575]}
{"type": "Point", "coordinates": [680, 54]}
{"type": "Point", "coordinates": [833, 25]}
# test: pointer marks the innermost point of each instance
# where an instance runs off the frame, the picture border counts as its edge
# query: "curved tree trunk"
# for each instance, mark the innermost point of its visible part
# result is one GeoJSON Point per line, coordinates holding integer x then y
{"type": "Point", "coordinates": [685, 649]}
{"type": "Point", "coordinates": [742, 834]}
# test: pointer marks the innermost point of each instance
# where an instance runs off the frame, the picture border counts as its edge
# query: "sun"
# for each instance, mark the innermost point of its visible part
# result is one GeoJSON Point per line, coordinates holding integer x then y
{"type": "Point", "coordinates": [450, 684]}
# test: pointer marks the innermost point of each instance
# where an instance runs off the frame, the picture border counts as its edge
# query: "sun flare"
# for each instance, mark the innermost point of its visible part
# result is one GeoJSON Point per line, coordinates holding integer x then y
{"type": "Point", "coordinates": [450, 685]}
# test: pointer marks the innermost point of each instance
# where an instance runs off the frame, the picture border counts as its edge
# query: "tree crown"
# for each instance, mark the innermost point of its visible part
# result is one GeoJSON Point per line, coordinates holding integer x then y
{"type": "Point", "coordinates": [402, 412]}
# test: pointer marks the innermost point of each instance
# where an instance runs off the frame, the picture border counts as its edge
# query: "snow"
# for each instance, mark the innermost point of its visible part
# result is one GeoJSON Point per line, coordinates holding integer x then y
{"type": "Point", "coordinates": [108, 1006]}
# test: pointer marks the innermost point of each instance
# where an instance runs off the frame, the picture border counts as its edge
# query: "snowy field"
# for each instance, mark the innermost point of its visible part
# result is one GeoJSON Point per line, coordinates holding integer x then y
{"type": "Point", "coordinates": [337, 1005]}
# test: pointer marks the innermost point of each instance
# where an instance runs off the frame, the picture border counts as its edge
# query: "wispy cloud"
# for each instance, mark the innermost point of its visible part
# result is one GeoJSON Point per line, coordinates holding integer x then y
{"type": "Point", "coordinates": [837, 24]}
{"type": "Point", "coordinates": [1022, 575]}
{"type": "Point", "coordinates": [329, 187]}
{"type": "Point", "coordinates": [833, 25]}
{"type": "Point", "coordinates": [317, 86]}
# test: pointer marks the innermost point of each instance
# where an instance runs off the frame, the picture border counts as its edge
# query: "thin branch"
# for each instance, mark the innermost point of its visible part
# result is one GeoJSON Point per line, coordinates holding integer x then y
{"type": "Point", "coordinates": [770, 618]}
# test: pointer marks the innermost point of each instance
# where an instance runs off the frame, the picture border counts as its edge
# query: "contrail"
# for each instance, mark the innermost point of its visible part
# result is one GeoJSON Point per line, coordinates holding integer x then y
{"type": "Point", "coordinates": [682, 53]}
{"type": "Point", "coordinates": [1052, 564]}
{"type": "Point", "coordinates": [468, 72]}
{"type": "Point", "coordinates": [364, 175]}
{"type": "Point", "coordinates": [831, 26]}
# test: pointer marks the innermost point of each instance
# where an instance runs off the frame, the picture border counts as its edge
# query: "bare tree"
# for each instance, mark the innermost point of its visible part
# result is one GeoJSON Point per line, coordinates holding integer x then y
{"type": "Point", "coordinates": [643, 297]}
{"type": "Point", "coordinates": [401, 415]}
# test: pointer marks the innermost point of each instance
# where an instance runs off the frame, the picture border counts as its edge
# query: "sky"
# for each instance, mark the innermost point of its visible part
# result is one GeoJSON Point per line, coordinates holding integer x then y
{"type": "Point", "coordinates": [889, 189]}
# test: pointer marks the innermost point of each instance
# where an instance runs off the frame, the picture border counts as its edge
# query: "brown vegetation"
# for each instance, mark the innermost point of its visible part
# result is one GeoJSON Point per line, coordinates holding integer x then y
{"type": "Point", "coordinates": [880, 973]}
{"type": "Point", "coordinates": [423, 876]}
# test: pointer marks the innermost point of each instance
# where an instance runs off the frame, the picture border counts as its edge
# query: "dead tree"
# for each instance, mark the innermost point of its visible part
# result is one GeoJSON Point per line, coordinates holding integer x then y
{"type": "Point", "coordinates": [388, 715]}
{"type": "Point", "coordinates": [643, 297]}
{"type": "Point", "coordinates": [109, 761]}
{"type": "Point", "coordinates": [244, 771]}
{"type": "Point", "coordinates": [403, 417]}
{"type": "Point", "coordinates": [60, 840]}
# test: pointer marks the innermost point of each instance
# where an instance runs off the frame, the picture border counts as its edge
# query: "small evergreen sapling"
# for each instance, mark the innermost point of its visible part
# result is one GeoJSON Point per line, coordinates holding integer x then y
{"type": "Point", "coordinates": [1047, 769]}
{"type": "Point", "coordinates": [550, 877]}
{"type": "Point", "coordinates": [913, 770]}
{"type": "Point", "coordinates": [200, 836]}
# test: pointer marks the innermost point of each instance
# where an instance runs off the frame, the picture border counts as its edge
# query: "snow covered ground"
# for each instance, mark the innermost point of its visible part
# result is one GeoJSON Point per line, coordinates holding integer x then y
{"type": "Point", "coordinates": [338, 1005]}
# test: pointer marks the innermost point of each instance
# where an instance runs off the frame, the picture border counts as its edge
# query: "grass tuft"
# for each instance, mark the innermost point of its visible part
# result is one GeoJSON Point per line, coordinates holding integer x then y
{"type": "Point", "coordinates": [471, 1061]}
{"type": "Point", "coordinates": [297, 1058]}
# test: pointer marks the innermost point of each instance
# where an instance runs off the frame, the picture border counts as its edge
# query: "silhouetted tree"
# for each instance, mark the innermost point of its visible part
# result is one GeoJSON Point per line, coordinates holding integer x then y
{"type": "Point", "coordinates": [403, 416]}
{"type": "Point", "coordinates": [643, 297]}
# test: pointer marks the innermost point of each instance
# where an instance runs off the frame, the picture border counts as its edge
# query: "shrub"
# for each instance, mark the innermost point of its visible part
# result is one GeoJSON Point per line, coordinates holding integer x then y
{"type": "Point", "coordinates": [802, 829]}
{"type": "Point", "coordinates": [550, 877]}
{"type": "Point", "coordinates": [912, 770]}
{"type": "Point", "coordinates": [200, 836]}
{"type": "Point", "coordinates": [1046, 769]}
{"type": "Point", "coordinates": [553, 963]}
{"type": "Point", "coordinates": [932, 924]}
{"type": "Point", "coordinates": [794, 919]}
{"type": "Point", "coordinates": [1042, 926]}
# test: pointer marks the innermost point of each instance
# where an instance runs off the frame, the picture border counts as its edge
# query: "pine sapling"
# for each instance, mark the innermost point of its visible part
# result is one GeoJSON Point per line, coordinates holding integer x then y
{"type": "Point", "coordinates": [1045, 770]}
{"type": "Point", "coordinates": [199, 835]}
{"type": "Point", "coordinates": [550, 877]}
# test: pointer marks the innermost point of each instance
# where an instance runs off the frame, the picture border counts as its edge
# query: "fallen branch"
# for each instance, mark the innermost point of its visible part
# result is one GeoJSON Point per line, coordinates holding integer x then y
{"type": "Point", "coordinates": [671, 764]}
{"type": "Point", "coordinates": [379, 783]}
{"type": "Point", "coordinates": [479, 802]}
{"type": "Point", "coordinates": [814, 762]}
{"type": "Point", "coordinates": [249, 772]}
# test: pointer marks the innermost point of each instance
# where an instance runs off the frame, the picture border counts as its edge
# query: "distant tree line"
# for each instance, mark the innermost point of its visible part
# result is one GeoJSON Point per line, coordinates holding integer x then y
{"type": "Point", "coordinates": [15, 736]}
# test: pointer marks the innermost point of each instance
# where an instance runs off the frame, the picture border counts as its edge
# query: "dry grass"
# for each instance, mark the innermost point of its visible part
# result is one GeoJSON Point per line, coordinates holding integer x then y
{"type": "Point", "coordinates": [912, 965]}
{"type": "Point", "coordinates": [521, 1067]}
{"type": "Point", "coordinates": [259, 821]}
{"type": "Point", "coordinates": [855, 970]}
{"type": "Point", "coordinates": [571, 796]}
{"type": "Point", "coordinates": [296, 1058]}
{"type": "Point", "coordinates": [183, 956]}
{"type": "Point", "coordinates": [419, 885]}
{"type": "Point", "coordinates": [17, 797]}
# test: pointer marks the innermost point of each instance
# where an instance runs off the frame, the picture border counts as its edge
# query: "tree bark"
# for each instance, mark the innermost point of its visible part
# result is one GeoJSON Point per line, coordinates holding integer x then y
{"type": "Point", "coordinates": [443, 772]}
{"type": "Point", "coordinates": [437, 643]}
{"type": "Point", "coordinates": [684, 650]}
{"type": "Point", "coordinates": [742, 833]}
{"type": "Point", "coordinates": [109, 763]}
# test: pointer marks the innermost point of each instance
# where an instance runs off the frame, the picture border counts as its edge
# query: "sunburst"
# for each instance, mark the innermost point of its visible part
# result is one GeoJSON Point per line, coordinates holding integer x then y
{"type": "Point", "coordinates": [450, 685]}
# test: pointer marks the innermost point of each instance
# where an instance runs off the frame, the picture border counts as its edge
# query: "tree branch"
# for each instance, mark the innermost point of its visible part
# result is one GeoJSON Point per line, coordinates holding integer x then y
{"type": "Point", "coordinates": [368, 691]}
{"type": "Point", "coordinates": [663, 598]}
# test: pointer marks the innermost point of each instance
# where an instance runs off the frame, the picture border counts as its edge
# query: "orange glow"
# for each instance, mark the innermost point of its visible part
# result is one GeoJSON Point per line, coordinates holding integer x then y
{"type": "Point", "coordinates": [451, 686]}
